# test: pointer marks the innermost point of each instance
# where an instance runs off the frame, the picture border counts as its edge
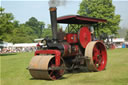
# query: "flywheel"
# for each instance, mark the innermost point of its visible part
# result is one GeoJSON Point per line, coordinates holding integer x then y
{"type": "Point", "coordinates": [39, 67]}
{"type": "Point", "coordinates": [84, 36]}
{"type": "Point", "coordinates": [96, 56]}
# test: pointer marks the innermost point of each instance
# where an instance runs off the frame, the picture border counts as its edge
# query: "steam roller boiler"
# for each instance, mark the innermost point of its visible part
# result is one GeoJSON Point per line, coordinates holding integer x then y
{"type": "Point", "coordinates": [78, 48]}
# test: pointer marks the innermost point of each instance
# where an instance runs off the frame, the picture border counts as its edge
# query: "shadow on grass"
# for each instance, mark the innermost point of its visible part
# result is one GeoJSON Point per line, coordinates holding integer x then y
{"type": "Point", "coordinates": [71, 73]}
{"type": "Point", "coordinates": [48, 79]}
{"type": "Point", "coordinates": [9, 54]}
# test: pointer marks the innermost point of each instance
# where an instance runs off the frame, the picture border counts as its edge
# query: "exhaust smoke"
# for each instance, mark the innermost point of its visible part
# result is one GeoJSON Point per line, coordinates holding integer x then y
{"type": "Point", "coordinates": [55, 3]}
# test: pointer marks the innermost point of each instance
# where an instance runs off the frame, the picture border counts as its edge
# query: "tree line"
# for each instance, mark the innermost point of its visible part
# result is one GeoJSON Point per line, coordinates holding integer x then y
{"type": "Point", "coordinates": [12, 31]}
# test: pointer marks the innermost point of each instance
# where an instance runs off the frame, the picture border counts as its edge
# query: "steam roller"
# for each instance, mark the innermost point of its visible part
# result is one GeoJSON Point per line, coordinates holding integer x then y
{"type": "Point", "coordinates": [74, 50]}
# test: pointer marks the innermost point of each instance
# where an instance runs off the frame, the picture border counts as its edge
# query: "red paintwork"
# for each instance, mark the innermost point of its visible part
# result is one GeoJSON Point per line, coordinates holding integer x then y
{"type": "Point", "coordinates": [57, 54]}
{"type": "Point", "coordinates": [84, 36]}
{"type": "Point", "coordinates": [99, 56]}
{"type": "Point", "coordinates": [77, 19]}
{"type": "Point", "coordinates": [77, 48]}
{"type": "Point", "coordinates": [67, 49]}
{"type": "Point", "coordinates": [70, 50]}
{"type": "Point", "coordinates": [71, 38]}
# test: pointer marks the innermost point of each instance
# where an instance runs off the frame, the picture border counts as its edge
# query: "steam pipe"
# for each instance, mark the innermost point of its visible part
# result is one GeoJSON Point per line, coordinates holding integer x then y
{"type": "Point", "coordinates": [53, 16]}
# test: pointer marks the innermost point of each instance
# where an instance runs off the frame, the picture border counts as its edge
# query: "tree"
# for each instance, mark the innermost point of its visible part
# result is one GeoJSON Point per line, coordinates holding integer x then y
{"type": "Point", "coordinates": [36, 25]}
{"type": "Point", "coordinates": [1, 10]}
{"type": "Point", "coordinates": [126, 37]}
{"type": "Point", "coordinates": [47, 33]}
{"type": "Point", "coordinates": [101, 9]}
{"type": "Point", "coordinates": [16, 24]}
{"type": "Point", "coordinates": [58, 26]}
{"type": "Point", "coordinates": [6, 25]}
{"type": "Point", "coordinates": [23, 34]}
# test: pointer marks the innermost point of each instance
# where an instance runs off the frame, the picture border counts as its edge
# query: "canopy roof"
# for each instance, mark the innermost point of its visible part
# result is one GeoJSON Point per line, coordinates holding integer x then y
{"type": "Point", "coordinates": [77, 19]}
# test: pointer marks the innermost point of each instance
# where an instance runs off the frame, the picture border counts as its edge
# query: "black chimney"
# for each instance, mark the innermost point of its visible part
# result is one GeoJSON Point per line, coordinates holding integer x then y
{"type": "Point", "coordinates": [53, 16]}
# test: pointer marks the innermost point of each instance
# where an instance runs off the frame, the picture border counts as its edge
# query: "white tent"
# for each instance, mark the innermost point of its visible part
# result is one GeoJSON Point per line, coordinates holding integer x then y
{"type": "Point", "coordinates": [25, 45]}
{"type": "Point", "coordinates": [119, 40]}
{"type": "Point", "coordinates": [6, 44]}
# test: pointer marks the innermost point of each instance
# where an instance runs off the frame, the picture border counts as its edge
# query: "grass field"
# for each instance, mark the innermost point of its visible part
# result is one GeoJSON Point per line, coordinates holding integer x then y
{"type": "Point", "coordinates": [13, 71]}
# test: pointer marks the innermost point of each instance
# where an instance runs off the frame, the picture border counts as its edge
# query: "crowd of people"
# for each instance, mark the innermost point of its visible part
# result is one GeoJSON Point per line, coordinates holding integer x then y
{"type": "Point", "coordinates": [17, 49]}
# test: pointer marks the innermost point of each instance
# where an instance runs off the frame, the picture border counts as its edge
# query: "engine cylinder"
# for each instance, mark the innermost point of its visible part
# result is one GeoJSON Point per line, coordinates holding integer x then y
{"type": "Point", "coordinates": [70, 50]}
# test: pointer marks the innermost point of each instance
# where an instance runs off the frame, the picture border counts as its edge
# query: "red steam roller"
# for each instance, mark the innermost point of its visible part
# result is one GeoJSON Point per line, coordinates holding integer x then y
{"type": "Point", "coordinates": [76, 49]}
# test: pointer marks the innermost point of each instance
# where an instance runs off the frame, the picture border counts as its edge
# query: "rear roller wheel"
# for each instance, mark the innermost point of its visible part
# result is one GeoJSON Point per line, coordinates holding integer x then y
{"type": "Point", "coordinates": [96, 56]}
{"type": "Point", "coordinates": [39, 67]}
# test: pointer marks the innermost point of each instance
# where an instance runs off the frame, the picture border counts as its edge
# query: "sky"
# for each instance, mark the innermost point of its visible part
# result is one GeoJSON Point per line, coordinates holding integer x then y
{"type": "Point", "coordinates": [24, 9]}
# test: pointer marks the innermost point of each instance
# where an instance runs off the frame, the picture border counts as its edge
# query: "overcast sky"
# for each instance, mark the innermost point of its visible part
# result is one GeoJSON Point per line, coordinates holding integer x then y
{"type": "Point", "coordinates": [24, 9]}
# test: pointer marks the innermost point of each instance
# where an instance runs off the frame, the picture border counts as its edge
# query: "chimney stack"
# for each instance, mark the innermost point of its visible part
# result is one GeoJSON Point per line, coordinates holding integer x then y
{"type": "Point", "coordinates": [53, 15]}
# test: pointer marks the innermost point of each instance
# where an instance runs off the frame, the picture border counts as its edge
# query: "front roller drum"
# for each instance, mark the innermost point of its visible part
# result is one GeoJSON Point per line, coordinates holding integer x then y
{"type": "Point", "coordinates": [39, 67]}
{"type": "Point", "coordinates": [96, 56]}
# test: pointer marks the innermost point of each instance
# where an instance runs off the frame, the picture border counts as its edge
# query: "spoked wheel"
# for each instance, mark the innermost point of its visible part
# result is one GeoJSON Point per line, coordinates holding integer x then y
{"type": "Point", "coordinates": [39, 67]}
{"type": "Point", "coordinates": [96, 56]}
{"type": "Point", "coordinates": [55, 74]}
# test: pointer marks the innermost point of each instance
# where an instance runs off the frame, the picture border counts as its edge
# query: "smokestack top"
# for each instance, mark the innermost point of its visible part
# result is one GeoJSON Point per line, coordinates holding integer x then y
{"type": "Point", "coordinates": [52, 8]}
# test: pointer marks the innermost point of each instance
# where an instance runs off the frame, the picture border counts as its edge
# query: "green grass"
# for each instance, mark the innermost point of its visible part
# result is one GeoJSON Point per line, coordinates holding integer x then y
{"type": "Point", "coordinates": [13, 71]}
